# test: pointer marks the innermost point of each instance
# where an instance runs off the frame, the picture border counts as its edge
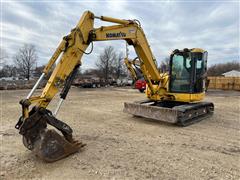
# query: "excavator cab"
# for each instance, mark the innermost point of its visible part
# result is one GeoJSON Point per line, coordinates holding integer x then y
{"type": "Point", "coordinates": [187, 71]}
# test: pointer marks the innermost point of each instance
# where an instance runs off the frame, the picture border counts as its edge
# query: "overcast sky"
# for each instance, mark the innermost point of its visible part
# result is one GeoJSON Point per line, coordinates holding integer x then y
{"type": "Point", "coordinates": [211, 25]}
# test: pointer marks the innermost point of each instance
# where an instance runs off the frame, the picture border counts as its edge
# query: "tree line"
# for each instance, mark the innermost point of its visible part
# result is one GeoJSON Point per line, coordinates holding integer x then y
{"type": "Point", "coordinates": [219, 69]}
{"type": "Point", "coordinates": [109, 64]}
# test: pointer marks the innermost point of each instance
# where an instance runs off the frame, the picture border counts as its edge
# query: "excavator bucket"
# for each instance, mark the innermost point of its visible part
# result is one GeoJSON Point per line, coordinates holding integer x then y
{"type": "Point", "coordinates": [182, 114]}
{"type": "Point", "coordinates": [51, 146]}
{"type": "Point", "coordinates": [47, 143]}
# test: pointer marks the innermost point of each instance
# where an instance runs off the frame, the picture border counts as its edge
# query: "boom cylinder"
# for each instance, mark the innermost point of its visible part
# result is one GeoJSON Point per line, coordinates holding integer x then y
{"type": "Point", "coordinates": [114, 20]}
{"type": "Point", "coordinates": [36, 85]}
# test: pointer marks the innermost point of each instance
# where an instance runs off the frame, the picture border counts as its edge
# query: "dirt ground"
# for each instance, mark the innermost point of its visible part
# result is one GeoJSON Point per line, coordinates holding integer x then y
{"type": "Point", "coordinates": [120, 146]}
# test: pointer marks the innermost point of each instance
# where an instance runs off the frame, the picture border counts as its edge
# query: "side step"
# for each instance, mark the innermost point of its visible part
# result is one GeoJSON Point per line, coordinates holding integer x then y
{"type": "Point", "coordinates": [182, 114]}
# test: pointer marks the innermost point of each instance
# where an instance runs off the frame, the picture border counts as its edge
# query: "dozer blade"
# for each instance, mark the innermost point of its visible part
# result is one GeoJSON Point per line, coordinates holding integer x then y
{"type": "Point", "coordinates": [147, 110]}
{"type": "Point", "coordinates": [182, 114]}
{"type": "Point", "coordinates": [47, 143]}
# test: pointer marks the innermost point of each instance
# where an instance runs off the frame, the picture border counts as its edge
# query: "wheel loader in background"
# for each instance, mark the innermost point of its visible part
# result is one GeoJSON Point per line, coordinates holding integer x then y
{"type": "Point", "coordinates": [172, 97]}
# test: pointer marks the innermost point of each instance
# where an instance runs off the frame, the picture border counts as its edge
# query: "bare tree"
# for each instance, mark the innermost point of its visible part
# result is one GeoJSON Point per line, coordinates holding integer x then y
{"type": "Point", "coordinates": [164, 66]}
{"type": "Point", "coordinates": [3, 57]}
{"type": "Point", "coordinates": [119, 66]}
{"type": "Point", "coordinates": [26, 59]}
{"type": "Point", "coordinates": [106, 61]}
{"type": "Point", "coordinates": [8, 71]}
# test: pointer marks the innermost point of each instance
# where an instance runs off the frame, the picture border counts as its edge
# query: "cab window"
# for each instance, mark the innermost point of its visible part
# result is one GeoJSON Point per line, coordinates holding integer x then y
{"type": "Point", "coordinates": [181, 71]}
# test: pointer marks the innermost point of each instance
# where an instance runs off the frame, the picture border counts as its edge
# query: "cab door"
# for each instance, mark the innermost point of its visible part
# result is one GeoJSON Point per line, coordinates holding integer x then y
{"type": "Point", "coordinates": [180, 73]}
{"type": "Point", "coordinates": [198, 71]}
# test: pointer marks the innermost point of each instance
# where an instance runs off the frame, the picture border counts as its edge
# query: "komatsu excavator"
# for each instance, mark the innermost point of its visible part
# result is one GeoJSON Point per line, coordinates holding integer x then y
{"type": "Point", "coordinates": [173, 97]}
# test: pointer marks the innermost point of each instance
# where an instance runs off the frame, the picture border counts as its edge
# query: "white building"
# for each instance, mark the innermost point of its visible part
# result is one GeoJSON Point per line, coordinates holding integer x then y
{"type": "Point", "coordinates": [232, 73]}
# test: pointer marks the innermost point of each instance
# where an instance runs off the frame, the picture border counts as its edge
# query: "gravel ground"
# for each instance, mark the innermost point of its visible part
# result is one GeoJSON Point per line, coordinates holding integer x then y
{"type": "Point", "coordinates": [120, 146]}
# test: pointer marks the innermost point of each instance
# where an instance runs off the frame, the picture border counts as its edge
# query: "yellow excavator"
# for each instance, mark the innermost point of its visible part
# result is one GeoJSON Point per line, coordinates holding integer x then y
{"type": "Point", "coordinates": [174, 97]}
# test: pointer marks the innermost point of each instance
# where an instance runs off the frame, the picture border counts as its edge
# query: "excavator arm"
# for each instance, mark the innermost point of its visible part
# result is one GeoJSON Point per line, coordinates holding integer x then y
{"type": "Point", "coordinates": [134, 68]}
{"type": "Point", "coordinates": [48, 144]}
